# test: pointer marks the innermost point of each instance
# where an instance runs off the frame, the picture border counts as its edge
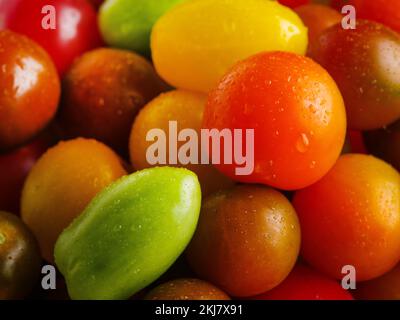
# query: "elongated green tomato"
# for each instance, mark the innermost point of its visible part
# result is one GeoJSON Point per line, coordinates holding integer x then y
{"type": "Point", "coordinates": [196, 42]}
{"type": "Point", "coordinates": [127, 24]}
{"type": "Point", "coordinates": [129, 234]}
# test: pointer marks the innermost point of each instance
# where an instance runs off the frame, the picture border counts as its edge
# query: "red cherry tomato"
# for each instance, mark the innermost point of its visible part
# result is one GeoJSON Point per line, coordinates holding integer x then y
{"type": "Point", "coordinates": [76, 28]}
{"type": "Point", "coordinates": [304, 283]}
{"type": "Point", "coordinates": [14, 167]}
{"type": "Point", "coordinates": [96, 3]}
{"type": "Point", "coordinates": [293, 3]}
{"type": "Point", "coordinates": [384, 11]}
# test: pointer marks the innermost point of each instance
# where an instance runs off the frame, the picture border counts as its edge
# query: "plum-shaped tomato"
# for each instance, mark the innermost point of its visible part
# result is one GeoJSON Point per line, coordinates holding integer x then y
{"type": "Point", "coordinates": [30, 89]}
{"type": "Point", "coordinates": [186, 289]}
{"type": "Point", "coordinates": [304, 283]}
{"type": "Point", "coordinates": [19, 258]}
{"type": "Point", "coordinates": [351, 217]}
{"type": "Point", "coordinates": [75, 27]}
{"type": "Point", "coordinates": [247, 240]}
{"type": "Point", "coordinates": [103, 92]}
{"type": "Point", "coordinates": [365, 63]}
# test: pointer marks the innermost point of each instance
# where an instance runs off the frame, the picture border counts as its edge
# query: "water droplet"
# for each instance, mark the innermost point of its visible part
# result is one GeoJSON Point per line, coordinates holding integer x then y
{"type": "Point", "coordinates": [302, 143]}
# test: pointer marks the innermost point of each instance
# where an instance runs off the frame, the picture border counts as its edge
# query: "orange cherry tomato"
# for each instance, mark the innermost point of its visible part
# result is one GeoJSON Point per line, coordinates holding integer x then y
{"type": "Point", "coordinates": [297, 114]}
{"type": "Point", "coordinates": [352, 217]}
{"type": "Point", "coordinates": [247, 240]}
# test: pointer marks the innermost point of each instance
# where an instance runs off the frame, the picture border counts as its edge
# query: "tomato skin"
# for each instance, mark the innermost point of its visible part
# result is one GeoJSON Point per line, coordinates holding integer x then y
{"type": "Point", "coordinates": [304, 283]}
{"type": "Point", "coordinates": [247, 240]}
{"type": "Point", "coordinates": [14, 167]}
{"type": "Point", "coordinates": [102, 93]}
{"type": "Point", "coordinates": [293, 3]}
{"type": "Point", "coordinates": [186, 289]}
{"type": "Point", "coordinates": [19, 258]}
{"type": "Point", "coordinates": [296, 111]}
{"type": "Point", "coordinates": [352, 217]}
{"type": "Point", "coordinates": [61, 184]}
{"type": "Point", "coordinates": [76, 28]}
{"type": "Point", "coordinates": [363, 64]}
{"type": "Point", "coordinates": [30, 89]}
{"type": "Point", "coordinates": [386, 12]}
{"type": "Point", "coordinates": [317, 18]}
{"type": "Point", "coordinates": [386, 287]}
{"type": "Point", "coordinates": [385, 143]}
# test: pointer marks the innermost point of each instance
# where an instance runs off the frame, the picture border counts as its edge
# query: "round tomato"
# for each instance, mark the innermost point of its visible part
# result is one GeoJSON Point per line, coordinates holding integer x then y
{"type": "Point", "coordinates": [364, 63]}
{"type": "Point", "coordinates": [186, 289]}
{"type": "Point", "coordinates": [30, 89]}
{"type": "Point", "coordinates": [65, 28]}
{"type": "Point", "coordinates": [19, 258]}
{"type": "Point", "coordinates": [304, 283]}
{"type": "Point", "coordinates": [295, 110]}
{"type": "Point", "coordinates": [60, 185]}
{"type": "Point", "coordinates": [352, 217]}
{"type": "Point", "coordinates": [247, 240]}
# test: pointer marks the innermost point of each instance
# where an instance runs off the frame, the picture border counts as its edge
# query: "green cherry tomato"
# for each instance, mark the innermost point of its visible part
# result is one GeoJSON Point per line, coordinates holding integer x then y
{"type": "Point", "coordinates": [130, 234]}
{"type": "Point", "coordinates": [127, 23]}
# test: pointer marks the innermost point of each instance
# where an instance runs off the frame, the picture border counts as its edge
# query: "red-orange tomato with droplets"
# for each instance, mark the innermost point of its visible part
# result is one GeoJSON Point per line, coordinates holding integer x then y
{"type": "Point", "coordinates": [297, 114]}
{"type": "Point", "coordinates": [352, 217]}
{"type": "Point", "coordinates": [304, 283]}
{"type": "Point", "coordinates": [247, 240]}
{"type": "Point", "coordinates": [383, 11]}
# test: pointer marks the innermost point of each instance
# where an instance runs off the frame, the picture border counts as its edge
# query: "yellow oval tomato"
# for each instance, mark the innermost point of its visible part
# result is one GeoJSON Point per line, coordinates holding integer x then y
{"type": "Point", "coordinates": [196, 42]}
{"type": "Point", "coordinates": [62, 183]}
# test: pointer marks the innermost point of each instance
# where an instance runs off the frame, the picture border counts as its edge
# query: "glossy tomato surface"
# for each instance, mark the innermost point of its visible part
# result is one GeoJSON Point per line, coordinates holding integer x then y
{"type": "Point", "coordinates": [295, 110]}
{"type": "Point", "coordinates": [365, 64]}
{"type": "Point", "coordinates": [247, 240]}
{"type": "Point", "coordinates": [304, 283]}
{"type": "Point", "coordinates": [352, 217]}
{"type": "Point", "coordinates": [30, 89]}
{"type": "Point", "coordinates": [75, 32]}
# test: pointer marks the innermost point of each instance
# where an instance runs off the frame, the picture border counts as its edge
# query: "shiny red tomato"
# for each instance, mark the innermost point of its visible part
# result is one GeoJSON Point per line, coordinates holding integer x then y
{"type": "Point", "coordinates": [304, 283]}
{"type": "Point", "coordinates": [76, 27]}
{"type": "Point", "coordinates": [384, 11]}
{"type": "Point", "coordinates": [293, 3]}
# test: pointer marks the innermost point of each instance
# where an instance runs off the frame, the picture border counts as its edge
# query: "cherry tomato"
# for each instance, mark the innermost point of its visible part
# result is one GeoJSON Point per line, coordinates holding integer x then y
{"type": "Point", "coordinates": [96, 3]}
{"type": "Point", "coordinates": [317, 18]}
{"type": "Point", "coordinates": [386, 12]}
{"type": "Point", "coordinates": [166, 108]}
{"type": "Point", "coordinates": [103, 92]}
{"type": "Point", "coordinates": [304, 283]}
{"type": "Point", "coordinates": [61, 184]}
{"type": "Point", "coordinates": [75, 32]}
{"type": "Point", "coordinates": [338, 4]}
{"type": "Point", "coordinates": [356, 141]}
{"type": "Point", "coordinates": [386, 287]}
{"type": "Point", "coordinates": [14, 167]}
{"type": "Point", "coordinates": [30, 89]}
{"type": "Point", "coordinates": [296, 111]}
{"type": "Point", "coordinates": [19, 258]}
{"type": "Point", "coordinates": [247, 240]}
{"type": "Point", "coordinates": [364, 63]}
{"type": "Point", "coordinates": [352, 217]}
{"type": "Point", "coordinates": [385, 143]}
{"type": "Point", "coordinates": [186, 289]}
{"type": "Point", "coordinates": [293, 3]}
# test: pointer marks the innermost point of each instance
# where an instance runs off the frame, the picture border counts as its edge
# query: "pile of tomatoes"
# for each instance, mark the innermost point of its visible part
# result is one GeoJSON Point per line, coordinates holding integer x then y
{"type": "Point", "coordinates": [82, 82]}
